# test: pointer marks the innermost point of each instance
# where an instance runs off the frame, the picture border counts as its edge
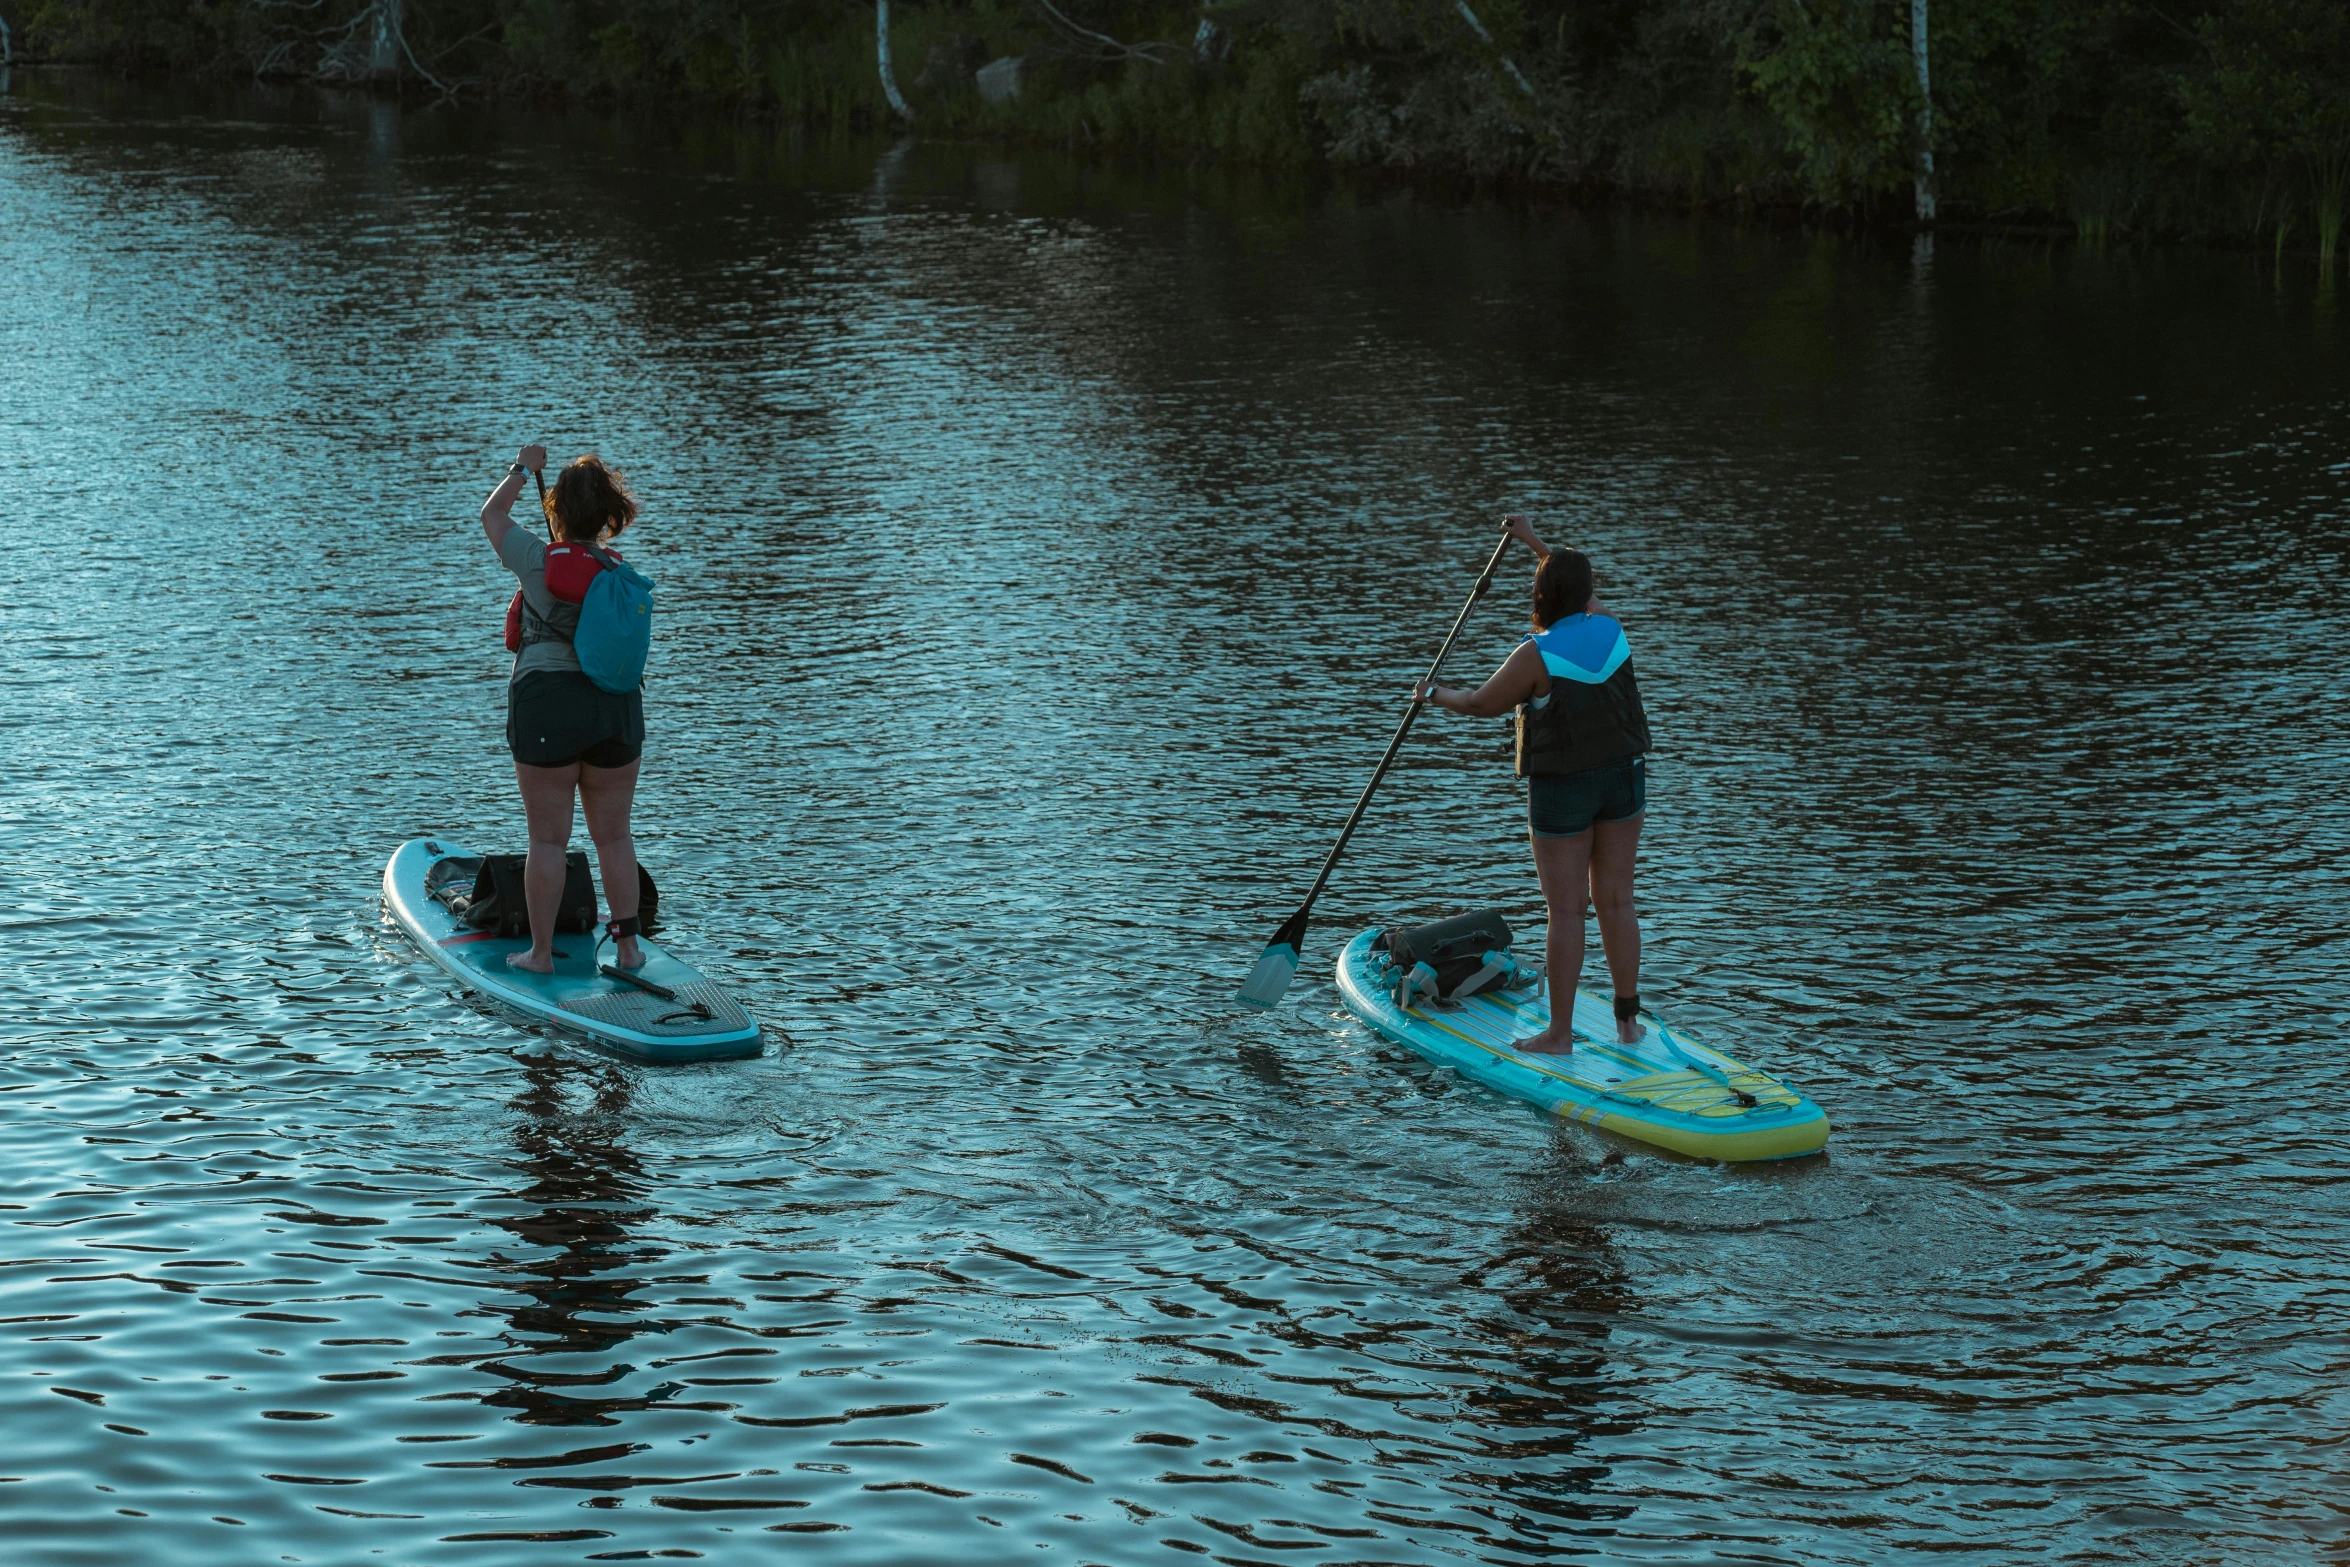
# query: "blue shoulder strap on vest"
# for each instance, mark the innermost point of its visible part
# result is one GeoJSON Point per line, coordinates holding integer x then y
{"type": "Point", "coordinates": [1583, 648]}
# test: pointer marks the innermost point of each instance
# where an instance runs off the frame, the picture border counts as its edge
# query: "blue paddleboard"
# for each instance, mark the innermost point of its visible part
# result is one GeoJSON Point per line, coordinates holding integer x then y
{"type": "Point", "coordinates": [696, 1021]}
{"type": "Point", "coordinates": [1668, 1089]}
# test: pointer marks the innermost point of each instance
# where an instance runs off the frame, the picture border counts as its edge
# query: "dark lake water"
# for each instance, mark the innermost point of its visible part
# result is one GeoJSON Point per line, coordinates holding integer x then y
{"type": "Point", "coordinates": [1045, 550]}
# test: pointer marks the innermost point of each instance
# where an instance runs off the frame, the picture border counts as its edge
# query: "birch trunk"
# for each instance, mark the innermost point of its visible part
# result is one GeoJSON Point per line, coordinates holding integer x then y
{"type": "Point", "coordinates": [1917, 54]}
{"type": "Point", "coordinates": [383, 59]}
{"type": "Point", "coordinates": [889, 77]}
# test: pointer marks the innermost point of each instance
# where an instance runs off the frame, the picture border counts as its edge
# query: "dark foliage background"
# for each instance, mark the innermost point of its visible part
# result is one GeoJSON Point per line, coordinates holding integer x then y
{"type": "Point", "coordinates": [2219, 118]}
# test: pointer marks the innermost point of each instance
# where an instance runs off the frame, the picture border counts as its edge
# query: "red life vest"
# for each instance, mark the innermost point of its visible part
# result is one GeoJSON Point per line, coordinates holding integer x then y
{"type": "Point", "coordinates": [570, 570]}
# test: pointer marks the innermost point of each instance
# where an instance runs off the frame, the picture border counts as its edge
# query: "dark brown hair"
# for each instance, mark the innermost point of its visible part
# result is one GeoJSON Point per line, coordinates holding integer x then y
{"type": "Point", "coordinates": [1563, 585]}
{"type": "Point", "coordinates": [590, 501]}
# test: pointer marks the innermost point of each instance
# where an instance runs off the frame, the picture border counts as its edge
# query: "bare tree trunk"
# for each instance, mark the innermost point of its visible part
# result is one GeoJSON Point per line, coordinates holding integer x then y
{"type": "Point", "coordinates": [889, 78]}
{"type": "Point", "coordinates": [1917, 54]}
{"type": "Point", "coordinates": [7, 49]}
{"type": "Point", "coordinates": [383, 60]}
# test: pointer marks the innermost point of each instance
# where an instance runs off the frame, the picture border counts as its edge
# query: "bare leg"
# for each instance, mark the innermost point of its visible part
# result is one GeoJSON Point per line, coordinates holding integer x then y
{"type": "Point", "coordinates": [605, 796]}
{"type": "Point", "coordinates": [546, 804]}
{"type": "Point", "coordinates": [1614, 846]}
{"type": "Point", "coordinates": [1562, 865]}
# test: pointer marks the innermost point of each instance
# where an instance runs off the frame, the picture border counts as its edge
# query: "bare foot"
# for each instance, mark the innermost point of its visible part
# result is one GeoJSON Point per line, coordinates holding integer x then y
{"type": "Point", "coordinates": [1550, 1042]}
{"type": "Point", "coordinates": [531, 962]}
{"type": "Point", "coordinates": [1629, 1031]}
{"type": "Point", "coordinates": [628, 955]}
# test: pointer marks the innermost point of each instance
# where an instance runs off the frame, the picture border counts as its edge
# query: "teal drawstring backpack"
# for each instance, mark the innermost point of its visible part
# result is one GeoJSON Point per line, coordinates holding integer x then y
{"type": "Point", "coordinates": [615, 634]}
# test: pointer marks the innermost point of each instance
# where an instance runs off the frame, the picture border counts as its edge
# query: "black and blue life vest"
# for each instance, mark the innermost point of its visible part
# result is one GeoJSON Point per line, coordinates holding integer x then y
{"type": "Point", "coordinates": [1593, 714]}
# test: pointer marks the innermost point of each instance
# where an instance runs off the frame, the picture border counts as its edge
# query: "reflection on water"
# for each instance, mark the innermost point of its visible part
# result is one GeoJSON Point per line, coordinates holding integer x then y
{"type": "Point", "coordinates": [1549, 1423]}
{"type": "Point", "coordinates": [575, 1279]}
{"type": "Point", "coordinates": [1043, 548]}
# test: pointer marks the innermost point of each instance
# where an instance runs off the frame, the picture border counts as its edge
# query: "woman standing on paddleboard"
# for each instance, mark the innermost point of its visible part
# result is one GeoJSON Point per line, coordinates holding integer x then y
{"type": "Point", "coordinates": [567, 733]}
{"type": "Point", "coordinates": [1582, 747]}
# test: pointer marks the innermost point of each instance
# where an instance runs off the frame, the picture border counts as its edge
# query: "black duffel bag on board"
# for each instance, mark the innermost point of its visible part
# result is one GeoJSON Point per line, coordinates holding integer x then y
{"type": "Point", "coordinates": [497, 904]}
{"type": "Point", "coordinates": [1454, 952]}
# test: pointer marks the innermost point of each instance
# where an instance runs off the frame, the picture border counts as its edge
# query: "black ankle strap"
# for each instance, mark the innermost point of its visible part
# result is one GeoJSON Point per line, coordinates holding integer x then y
{"type": "Point", "coordinates": [630, 926]}
{"type": "Point", "coordinates": [1628, 1006]}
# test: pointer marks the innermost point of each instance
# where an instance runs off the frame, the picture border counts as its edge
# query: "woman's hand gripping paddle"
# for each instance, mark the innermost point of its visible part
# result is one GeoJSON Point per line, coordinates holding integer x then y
{"type": "Point", "coordinates": [1269, 981]}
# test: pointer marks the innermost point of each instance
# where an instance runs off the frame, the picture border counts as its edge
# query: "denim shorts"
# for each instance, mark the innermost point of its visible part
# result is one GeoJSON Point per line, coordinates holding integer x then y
{"type": "Point", "coordinates": [1567, 805]}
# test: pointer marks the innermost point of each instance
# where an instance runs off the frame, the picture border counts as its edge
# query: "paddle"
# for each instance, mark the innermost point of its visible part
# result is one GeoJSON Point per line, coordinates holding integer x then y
{"type": "Point", "coordinates": [539, 478]}
{"type": "Point", "coordinates": [1269, 981]}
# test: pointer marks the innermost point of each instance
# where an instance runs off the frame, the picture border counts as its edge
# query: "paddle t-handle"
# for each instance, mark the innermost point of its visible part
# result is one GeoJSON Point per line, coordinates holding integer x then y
{"type": "Point", "coordinates": [1269, 981]}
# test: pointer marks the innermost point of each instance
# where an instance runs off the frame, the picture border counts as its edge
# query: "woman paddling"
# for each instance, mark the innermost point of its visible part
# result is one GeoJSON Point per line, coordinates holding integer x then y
{"type": "Point", "coordinates": [1582, 743]}
{"type": "Point", "coordinates": [566, 732]}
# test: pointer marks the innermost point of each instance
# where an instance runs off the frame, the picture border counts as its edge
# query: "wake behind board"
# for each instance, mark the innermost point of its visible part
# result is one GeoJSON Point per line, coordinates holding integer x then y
{"type": "Point", "coordinates": [1668, 1090]}
{"type": "Point", "coordinates": [701, 1023]}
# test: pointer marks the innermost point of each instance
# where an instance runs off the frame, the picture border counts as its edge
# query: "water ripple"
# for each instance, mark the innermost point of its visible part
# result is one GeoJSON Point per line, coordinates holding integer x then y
{"type": "Point", "coordinates": [1042, 548]}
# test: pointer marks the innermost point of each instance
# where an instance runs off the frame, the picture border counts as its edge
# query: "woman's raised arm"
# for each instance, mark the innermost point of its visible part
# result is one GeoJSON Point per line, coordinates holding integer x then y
{"type": "Point", "coordinates": [496, 518]}
{"type": "Point", "coordinates": [1521, 528]}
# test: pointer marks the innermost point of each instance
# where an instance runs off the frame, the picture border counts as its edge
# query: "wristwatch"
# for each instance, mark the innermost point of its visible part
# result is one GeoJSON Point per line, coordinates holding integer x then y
{"type": "Point", "coordinates": [518, 468]}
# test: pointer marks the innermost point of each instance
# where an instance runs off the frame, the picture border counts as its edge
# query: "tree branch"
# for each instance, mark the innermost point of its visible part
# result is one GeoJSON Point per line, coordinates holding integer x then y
{"type": "Point", "coordinates": [1155, 53]}
{"type": "Point", "coordinates": [1478, 28]}
{"type": "Point", "coordinates": [440, 87]}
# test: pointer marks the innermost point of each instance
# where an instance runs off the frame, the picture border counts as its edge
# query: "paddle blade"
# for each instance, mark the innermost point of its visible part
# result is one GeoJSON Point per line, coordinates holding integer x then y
{"type": "Point", "coordinates": [1269, 981]}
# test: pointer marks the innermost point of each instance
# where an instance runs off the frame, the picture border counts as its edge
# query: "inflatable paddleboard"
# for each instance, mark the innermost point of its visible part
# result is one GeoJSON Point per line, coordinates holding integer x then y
{"type": "Point", "coordinates": [695, 1021]}
{"type": "Point", "coordinates": [1668, 1090]}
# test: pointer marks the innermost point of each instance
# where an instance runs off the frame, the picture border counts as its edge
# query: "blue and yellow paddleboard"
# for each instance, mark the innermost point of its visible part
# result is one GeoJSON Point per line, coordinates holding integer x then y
{"type": "Point", "coordinates": [695, 1021]}
{"type": "Point", "coordinates": [1668, 1090]}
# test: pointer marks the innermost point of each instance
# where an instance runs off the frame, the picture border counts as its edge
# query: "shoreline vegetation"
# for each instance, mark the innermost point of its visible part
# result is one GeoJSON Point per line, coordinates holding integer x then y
{"type": "Point", "coordinates": [2223, 121]}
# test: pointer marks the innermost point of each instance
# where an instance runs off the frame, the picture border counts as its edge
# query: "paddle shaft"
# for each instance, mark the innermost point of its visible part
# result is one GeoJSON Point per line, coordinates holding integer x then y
{"type": "Point", "coordinates": [540, 479]}
{"type": "Point", "coordinates": [1354, 817]}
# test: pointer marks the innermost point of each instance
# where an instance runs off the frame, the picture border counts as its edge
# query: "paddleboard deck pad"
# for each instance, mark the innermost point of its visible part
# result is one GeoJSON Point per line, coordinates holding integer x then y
{"type": "Point", "coordinates": [698, 1021]}
{"type": "Point", "coordinates": [1668, 1090]}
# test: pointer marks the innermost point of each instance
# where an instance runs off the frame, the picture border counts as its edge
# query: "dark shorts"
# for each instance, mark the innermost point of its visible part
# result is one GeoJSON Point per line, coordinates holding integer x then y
{"type": "Point", "coordinates": [1568, 804]}
{"type": "Point", "coordinates": [555, 717]}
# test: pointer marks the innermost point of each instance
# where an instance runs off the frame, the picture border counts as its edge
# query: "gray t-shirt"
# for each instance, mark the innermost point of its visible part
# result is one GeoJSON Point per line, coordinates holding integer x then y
{"type": "Point", "coordinates": [525, 555]}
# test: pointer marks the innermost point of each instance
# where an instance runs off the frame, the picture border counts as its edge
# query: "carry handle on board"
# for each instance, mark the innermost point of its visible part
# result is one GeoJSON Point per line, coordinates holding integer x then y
{"type": "Point", "coordinates": [698, 1009]}
{"type": "Point", "coordinates": [1269, 981]}
{"type": "Point", "coordinates": [614, 971]}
